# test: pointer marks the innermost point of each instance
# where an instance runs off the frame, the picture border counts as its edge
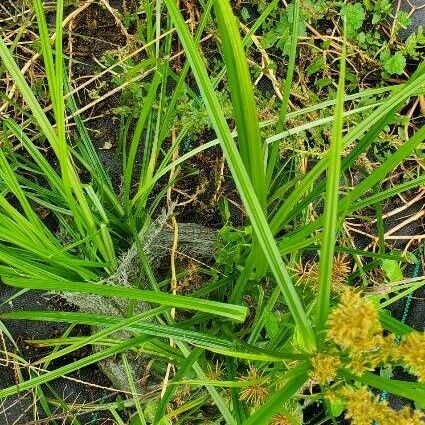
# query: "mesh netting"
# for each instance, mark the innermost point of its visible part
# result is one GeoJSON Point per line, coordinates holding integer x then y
{"type": "Point", "coordinates": [194, 241]}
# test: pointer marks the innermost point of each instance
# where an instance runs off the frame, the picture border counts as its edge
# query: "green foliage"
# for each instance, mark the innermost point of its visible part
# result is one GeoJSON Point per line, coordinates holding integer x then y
{"type": "Point", "coordinates": [354, 16]}
{"type": "Point", "coordinates": [232, 247]}
{"type": "Point", "coordinates": [381, 10]}
{"type": "Point", "coordinates": [414, 43]}
{"type": "Point", "coordinates": [245, 337]}
{"type": "Point", "coordinates": [278, 35]}
{"type": "Point", "coordinates": [394, 64]}
{"type": "Point", "coordinates": [402, 21]}
{"type": "Point", "coordinates": [392, 270]}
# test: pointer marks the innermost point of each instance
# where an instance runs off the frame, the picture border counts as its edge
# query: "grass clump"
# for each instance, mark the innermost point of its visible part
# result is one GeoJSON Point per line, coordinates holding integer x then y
{"type": "Point", "coordinates": [246, 344]}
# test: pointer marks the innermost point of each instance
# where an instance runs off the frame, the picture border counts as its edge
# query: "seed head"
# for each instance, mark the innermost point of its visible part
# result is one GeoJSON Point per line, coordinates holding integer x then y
{"type": "Point", "coordinates": [279, 419]}
{"type": "Point", "coordinates": [256, 393]}
{"type": "Point", "coordinates": [364, 409]}
{"type": "Point", "coordinates": [324, 368]}
{"type": "Point", "coordinates": [216, 372]}
{"type": "Point", "coordinates": [354, 324]}
{"type": "Point", "coordinates": [308, 274]}
{"type": "Point", "coordinates": [340, 271]}
{"type": "Point", "coordinates": [412, 351]}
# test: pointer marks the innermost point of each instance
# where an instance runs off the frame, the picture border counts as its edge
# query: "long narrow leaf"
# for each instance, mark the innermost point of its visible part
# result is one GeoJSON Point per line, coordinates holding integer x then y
{"type": "Point", "coordinates": [205, 341]}
{"type": "Point", "coordinates": [243, 101]}
{"type": "Point", "coordinates": [230, 311]}
{"type": "Point", "coordinates": [331, 206]}
{"type": "Point", "coordinates": [411, 390]}
{"type": "Point", "coordinates": [246, 190]}
{"type": "Point", "coordinates": [271, 161]}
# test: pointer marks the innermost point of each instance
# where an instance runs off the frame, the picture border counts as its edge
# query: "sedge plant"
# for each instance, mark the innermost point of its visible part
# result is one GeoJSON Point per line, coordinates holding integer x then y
{"type": "Point", "coordinates": [250, 371]}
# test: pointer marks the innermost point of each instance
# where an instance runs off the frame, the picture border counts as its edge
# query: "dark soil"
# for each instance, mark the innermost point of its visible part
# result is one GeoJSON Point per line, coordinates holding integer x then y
{"type": "Point", "coordinates": [85, 386]}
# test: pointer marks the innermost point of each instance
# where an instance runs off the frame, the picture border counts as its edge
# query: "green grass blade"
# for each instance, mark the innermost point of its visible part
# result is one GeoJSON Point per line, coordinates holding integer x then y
{"type": "Point", "coordinates": [89, 157]}
{"type": "Point", "coordinates": [412, 390]}
{"type": "Point", "coordinates": [394, 325]}
{"type": "Point", "coordinates": [246, 191]}
{"type": "Point", "coordinates": [271, 163]}
{"type": "Point", "coordinates": [385, 168]}
{"type": "Point", "coordinates": [117, 326]}
{"type": "Point", "coordinates": [178, 90]}
{"type": "Point", "coordinates": [244, 107]}
{"type": "Point", "coordinates": [185, 367]}
{"type": "Point", "coordinates": [57, 138]}
{"type": "Point", "coordinates": [38, 114]}
{"type": "Point", "coordinates": [49, 173]}
{"type": "Point", "coordinates": [386, 194]}
{"type": "Point", "coordinates": [130, 378]}
{"type": "Point", "coordinates": [135, 140]}
{"type": "Point", "coordinates": [207, 342]}
{"type": "Point", "coordinates": [243, 101]}
{"type": "Point", "coordinates": [47, 52]}
{"type": "Point", "coordinates": [8, 177]}
{"type": "Point", "coordinates": [234, 312]}
{"type": "Point", "coordinates": [331, 207]}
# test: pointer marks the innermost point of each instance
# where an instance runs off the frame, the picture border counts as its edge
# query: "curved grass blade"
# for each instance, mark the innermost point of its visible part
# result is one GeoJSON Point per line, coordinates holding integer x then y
{"type": "Point", "coordinates": [230, 311]}
{"type": "Point", "coordinates": [205, 341]}
{"type": "Point", "coordinates": [412, 390]}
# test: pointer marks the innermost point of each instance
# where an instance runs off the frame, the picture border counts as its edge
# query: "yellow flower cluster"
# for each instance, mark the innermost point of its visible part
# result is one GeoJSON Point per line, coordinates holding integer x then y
{"type": "Point", "coordinates": [355, 327]}
{"type": "Point", "coordinates": [411, 351]}
{"type": "Point", "coordinates": [364, 409]}
{"type": "Point", "coordinates": [354, 324]}
{"type": "Point", "coordinates": [325, 367]}
{"type": "Point", "coordinates": [358, 404]}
